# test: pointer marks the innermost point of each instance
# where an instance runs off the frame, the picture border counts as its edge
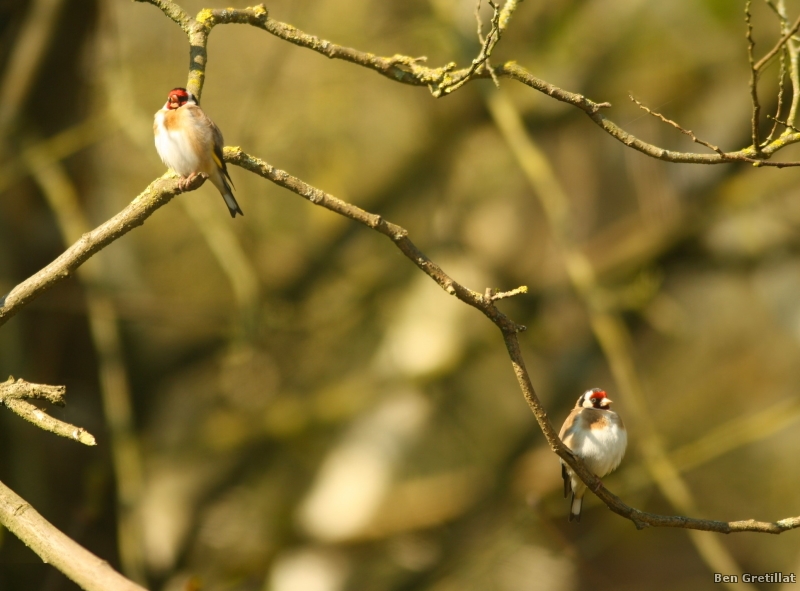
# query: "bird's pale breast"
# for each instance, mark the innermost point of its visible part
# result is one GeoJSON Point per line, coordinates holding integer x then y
{"type": "Point", "coordinates": [599, 438]}
{"type": "Point", "coordinates": [178, 142]}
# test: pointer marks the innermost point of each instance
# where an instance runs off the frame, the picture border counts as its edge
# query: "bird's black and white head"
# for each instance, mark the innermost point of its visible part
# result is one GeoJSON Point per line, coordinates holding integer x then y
{"type": "Point", "coordinates": [178, 97]}
{"type": "Point", "coordinates": [594, 398]}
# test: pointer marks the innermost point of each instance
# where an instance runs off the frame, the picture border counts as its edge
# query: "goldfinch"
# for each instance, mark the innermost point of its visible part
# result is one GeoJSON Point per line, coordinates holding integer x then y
{"type": "Point", "coordinates": [190, 143]}
{"type": "Point", "coordinates": [596, 434]}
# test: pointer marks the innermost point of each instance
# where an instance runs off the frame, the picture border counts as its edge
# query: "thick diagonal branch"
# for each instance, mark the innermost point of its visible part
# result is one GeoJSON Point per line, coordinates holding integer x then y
{"type": "Point", "coordinates": [53, 547]}
{"type": "Point", "coordinates": [158, 193]}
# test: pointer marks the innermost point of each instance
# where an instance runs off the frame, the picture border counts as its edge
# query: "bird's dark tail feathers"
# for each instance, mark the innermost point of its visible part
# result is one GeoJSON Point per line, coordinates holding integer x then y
{"type": "Point", "coordinates": [230, 200]}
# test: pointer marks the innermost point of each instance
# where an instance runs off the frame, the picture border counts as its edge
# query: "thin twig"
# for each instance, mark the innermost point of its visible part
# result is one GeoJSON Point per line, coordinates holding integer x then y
{"type": "Point", "coordinates": [781, 73]}
{"type": "Point", "coordinates": [794, 72]}
{"type": "Point", "coordinates": [497, 30]}
{"type": "Point", "coordinates": [508, 10]}
{"type": "Point", "coordinates": [781, 42]}
{"type": "Point", "coordinates": [688, 132]}
{"type": "Point", "coordinates": [753, 77]}
{"type": "Point", "coordinates": [494, 296]}
{"type": "Point", "coordinates": [479, 22]}
{"type": "Point", "coordinates": [786, 124]}
{"type": "Point", "coordinates": [173, 11]}
{"type": "Point", "coordinates": [794, 67]}
{"type": "Point", "coordinates": [593, 110]}
{"type": "Point", "coordinates": [487, 45]}
{"type": "Point", "coordinates": [14, 394]}
{"type": "Point", "coordinates": [779, 107]}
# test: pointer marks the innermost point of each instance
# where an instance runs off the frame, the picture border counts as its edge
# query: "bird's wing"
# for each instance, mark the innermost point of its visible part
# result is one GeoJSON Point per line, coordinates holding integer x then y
{"type": "Point", "coordinates": [568, 428]}
{"type": "Point", "coordinates": [218, 145]}
{"type": "Point", "coordinates": [216, 136]}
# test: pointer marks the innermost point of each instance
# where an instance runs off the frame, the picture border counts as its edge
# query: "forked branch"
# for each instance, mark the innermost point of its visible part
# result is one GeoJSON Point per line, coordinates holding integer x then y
{"type": "Point", "coordinates": [485, 303]}
{"type": "Point", "coordinates": [22, 520]}
{"type": "Point", "coordinates": [16, 515]}
{"type": "Point", "coordinates": [14, 394]}
{"type": "Point", "coordinates": [163, 190]}
{"type": "Point", "coordinates": [411, 70]}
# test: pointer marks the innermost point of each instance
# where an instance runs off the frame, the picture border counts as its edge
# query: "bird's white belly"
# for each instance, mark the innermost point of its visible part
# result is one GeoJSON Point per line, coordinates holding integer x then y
{"type": "Point", "coordinates": [602, 449]}
{"type": "Point", "coordinates": [175, 149]}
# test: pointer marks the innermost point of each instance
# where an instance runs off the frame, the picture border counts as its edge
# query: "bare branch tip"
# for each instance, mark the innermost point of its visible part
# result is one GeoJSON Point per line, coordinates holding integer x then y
{"type": "Point", "coordinates": [784, 123]}
{"type": "Point", "coordinates": [84, 437]}
{"type": "Point", "coordinates": [492, 295]}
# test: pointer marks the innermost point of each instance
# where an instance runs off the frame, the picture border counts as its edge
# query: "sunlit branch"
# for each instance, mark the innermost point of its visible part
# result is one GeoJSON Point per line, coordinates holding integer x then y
{"type": "Point", "coordinates": [411, 70]}
{"type": "Point", "coordinates": [14, 395]}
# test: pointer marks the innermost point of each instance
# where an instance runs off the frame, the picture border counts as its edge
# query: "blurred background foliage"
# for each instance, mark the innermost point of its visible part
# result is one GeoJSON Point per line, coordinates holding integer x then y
{"type": "Point", "coordinates": [283, 402]}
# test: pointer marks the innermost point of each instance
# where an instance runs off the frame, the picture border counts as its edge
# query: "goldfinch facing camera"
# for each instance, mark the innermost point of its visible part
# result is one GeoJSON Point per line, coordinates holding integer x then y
{"type": "Point", "coordinates": [190, 143]}
{"type": "Point", "coordinates": [596, 434]}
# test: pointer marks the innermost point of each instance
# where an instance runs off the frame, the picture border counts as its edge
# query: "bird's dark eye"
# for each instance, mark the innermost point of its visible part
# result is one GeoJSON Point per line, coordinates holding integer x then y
{"type": "Point", "coordinates": [593, 400]}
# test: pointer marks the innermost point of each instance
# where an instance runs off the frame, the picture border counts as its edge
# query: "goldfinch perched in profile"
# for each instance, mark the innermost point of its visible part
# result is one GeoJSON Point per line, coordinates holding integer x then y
{"type": "Point", "coordinates": [189, 143]}
{"type": "Point", "coordinates": [596, 434]}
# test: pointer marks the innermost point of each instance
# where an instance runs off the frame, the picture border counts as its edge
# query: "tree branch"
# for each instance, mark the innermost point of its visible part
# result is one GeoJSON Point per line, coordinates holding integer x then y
{"type": "Point", "coordinates": [778, 46]}
{"type": "Point", "coordinates": [640, 519]}
{"type": "Point", "coordinates": [508, 10]}
{"type": "Point", "coordinates": [485, 303]}
{"type": "Point", "coordinates": [409, 70]}
{"type": "Point", "coordinates": [688, 132]}
{"type": "Point", "coordinates": [753, 76]}
{"type": "Point", "coordinates": [158, 193]}
{"type": "Point", "coordinates": [175, 12]}
{"type": "Point", "coordinates": [92, 573]}
{"type": "Point", "coordinates": [488, 43]}
{"type": "Point", "coordinates": [162, 190]}
{"type": "Point", "coordinates": [397, 234]}
{"type": "Point", "coordinates": [14, 394]}
{"type": "Point", "coordinates": [593, 110]}
{"type": "Point", "coordinates": [53, 547]}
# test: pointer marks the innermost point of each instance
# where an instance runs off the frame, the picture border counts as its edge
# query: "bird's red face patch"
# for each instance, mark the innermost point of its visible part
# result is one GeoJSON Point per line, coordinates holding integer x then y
{"type": "Point", "coordinates": [177, 98]}
{"type": "Point", "coordinates": [599, 399]}
{"type": "Point", "coordinates": [595, 398]}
